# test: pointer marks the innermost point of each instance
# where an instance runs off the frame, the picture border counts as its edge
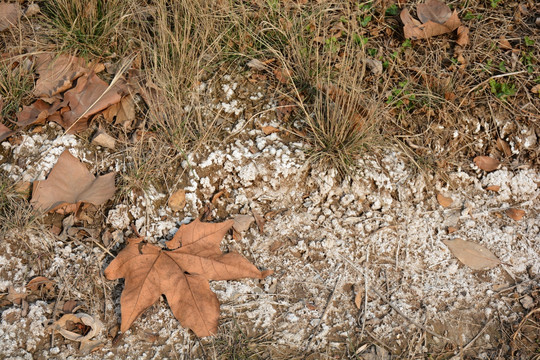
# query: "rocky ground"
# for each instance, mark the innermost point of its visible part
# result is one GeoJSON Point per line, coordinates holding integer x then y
{"type": "Point", "coordinates": [360, 266]}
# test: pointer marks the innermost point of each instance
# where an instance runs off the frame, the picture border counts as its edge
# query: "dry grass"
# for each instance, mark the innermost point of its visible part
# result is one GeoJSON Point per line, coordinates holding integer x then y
{"type": "Point", "coordinates": [93, 29]}
{"type": "Point", "coordinates": [440, 106]}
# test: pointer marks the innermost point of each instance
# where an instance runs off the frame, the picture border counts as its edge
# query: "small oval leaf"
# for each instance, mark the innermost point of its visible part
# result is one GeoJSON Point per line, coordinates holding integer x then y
{"type": "Point", "coordinates": [474, 255]}
{"type": "Point", "coordinates": [515, 214]}
{"type": "Point", "coordinates": [444, 201]}
{"type": "Point", "coordinates": [486, 163]}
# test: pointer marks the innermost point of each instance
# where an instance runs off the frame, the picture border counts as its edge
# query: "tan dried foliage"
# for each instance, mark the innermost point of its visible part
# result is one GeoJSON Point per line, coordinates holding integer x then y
{"type": "Point", "coordinates": [90, 96]}
{"type": "Point", "coordinates": [474, 255]}
{"type": "Point", "coordinates": [9, 15]}
{"type": "Point", "coordinates": [71, 107]}
{"type": "Point", "coordinates": [515, 214]}
{"type": "Point", "coordinates": [57, 73]}
{"type": "Point", "coordinates": [122, 113]}
{"type": "Point", "coordinates": [444, 201]}
{"type": "Point", "coordinates": [70, 184]}
{"type": "Point", "coordinates": [486, 163]}
{"type": "Point", "coordinates": [177, 201]}
{"type": "Point", "coordinates": [5, 132]}
{"type": "Point", "coordinates": [436, 18]}
{"type": "Point", "coordinates": [181, 275]}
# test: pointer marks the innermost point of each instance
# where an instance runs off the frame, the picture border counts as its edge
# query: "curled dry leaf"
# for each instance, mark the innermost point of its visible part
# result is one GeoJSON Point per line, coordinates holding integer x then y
{"type": "Point", "coordinates": [80, 327]}
{"type": "Point", "coordinates": [436, 19]}
{"type": "Point", "coordinates": [515, 214]}
{"type": "Point", "coordinates": [177, 201]}
{"type": "Point", "coordinates": [504, 147]}
{"type": "Point", "coordinates": [486, 163]}
{"type": "Point", "coordinates": [70, 183]}
{"type": "Point", "coordinates": [474, 255]}
{"type": "Point", "coordinates": [9, 15]}
{"type": "Point", "coordinates": [182, 275]}
{"type": "Point", "coordinates": [40, 283]}
{"type": "Point", "coordinates": [444, 201]}
{"type": "Point", "coordinates": [122, 113]}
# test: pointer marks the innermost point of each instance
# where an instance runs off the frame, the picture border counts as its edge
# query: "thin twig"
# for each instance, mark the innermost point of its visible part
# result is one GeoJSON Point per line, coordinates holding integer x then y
{"type": "Point", "coordinates": [474, 339]}
{"type": "Point", "coordinates": [406, 317]}
{"type": "Point", "coordinates": [325, 312]}
{"type": "Point", "coordinates": [395, 307]}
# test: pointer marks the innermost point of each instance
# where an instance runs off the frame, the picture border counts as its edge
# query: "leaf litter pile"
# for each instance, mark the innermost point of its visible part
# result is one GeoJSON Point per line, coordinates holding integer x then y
{"type": "Point", "coordinates": [380, 262]}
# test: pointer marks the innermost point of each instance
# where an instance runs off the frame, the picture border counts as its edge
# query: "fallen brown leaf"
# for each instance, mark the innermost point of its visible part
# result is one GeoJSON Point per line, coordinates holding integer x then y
{"type": "Point", "coordinates": [515, 214]}
{"type": "Point", "coordinates": [474, 255]}
{"type": "Point", "coordinates": [40, 283]}
{"type": "Point", "coordinates": [57, 73]}
{"type": "Point", "coordinates": [504, 147]}
{"type": "Point", "coordinates": [283, 75]}
{"type": "Point", "coordinates": [462, 36]}
{"type": "Point", "coordinates": [5, 132]}
{"type": "Point", "coordinates": [177, 201]}
{"type": "Point", "coordinates": [70, 183]}
{"type": "Point", "coordinates": [101, 138]}
{"type": "Point", "coordinates": [9, 15]}
{"type": "Point", "coordinates": [358, 297]}
{"type": "Point", "coordinates": [451, 229]}
{"type": "Point", "coordinates": [504, 44]}
{"type": "Point", "coordinates": [122, 113]}
{"type": "Point", "coordinates": [79, 327]}
{"type": "Point", "coordinates": [36, 113]}
{"type": "Point", "coordinates": [242, 222]}
{"type": "Point", "coordinates": [267, 130]}
{"type": "Point", "coordinates": [436, 17]}
{"type": "Point", "coordinates": [181, 275]}
{"type": "Point", "coordinates": [90, 96]}
{"type": "Point", "coordinates": [15, 296]}
{"type": "Point", "coordinates": [486, 163]}
{"type": "Point", "coordinates": [444, 201]}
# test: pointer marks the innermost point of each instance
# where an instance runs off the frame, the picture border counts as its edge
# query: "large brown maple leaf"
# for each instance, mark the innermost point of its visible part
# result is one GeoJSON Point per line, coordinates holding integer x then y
{"type": "Point", "coordinates": [181, 275]}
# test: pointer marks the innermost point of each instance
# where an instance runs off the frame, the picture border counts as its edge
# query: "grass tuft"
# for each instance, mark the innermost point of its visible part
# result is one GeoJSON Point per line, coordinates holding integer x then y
{"type": "Point", "coordinates": [95, 28]}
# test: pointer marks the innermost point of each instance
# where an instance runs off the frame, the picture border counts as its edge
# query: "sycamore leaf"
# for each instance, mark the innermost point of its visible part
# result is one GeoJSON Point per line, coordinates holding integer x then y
{"type": "Point", "coordinates": [90, 96]}
{"type": "Point", "coordinates": [70, 183]}
{"type": "Point", "coordinates": [9, 15]}
{"type": "Point", "coordinates": [36, 113]}
{"type": "Point", "coordinates": [474, 255]}
{"type": "Point", "coordinates": [56, 73]}
{"type": "Point", "coordinates": [181, 275]}
{"type": "Point", "coordinates": [486, 163]}
{"type": "Point", "coordinates": [436, 19]}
